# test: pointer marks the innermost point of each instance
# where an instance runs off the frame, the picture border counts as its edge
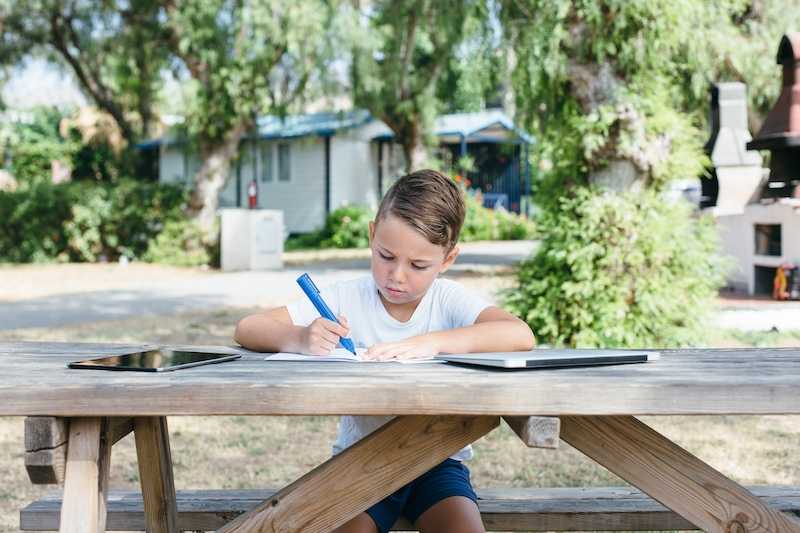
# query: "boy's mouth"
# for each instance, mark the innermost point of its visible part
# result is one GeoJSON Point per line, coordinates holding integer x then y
{"type": "Point", "coordinates": [394, 292]}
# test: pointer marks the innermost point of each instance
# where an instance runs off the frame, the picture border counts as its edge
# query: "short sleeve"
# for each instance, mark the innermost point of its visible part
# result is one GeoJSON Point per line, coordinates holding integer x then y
{"type": "Point", "coordinates": [460, 305]}
{"type": "Point", "coordinates": [303, 312]}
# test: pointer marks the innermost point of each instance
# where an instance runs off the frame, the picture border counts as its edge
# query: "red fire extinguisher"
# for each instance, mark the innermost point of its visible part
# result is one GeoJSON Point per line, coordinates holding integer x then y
{"type": "Point", "coordinates": [252, 194]}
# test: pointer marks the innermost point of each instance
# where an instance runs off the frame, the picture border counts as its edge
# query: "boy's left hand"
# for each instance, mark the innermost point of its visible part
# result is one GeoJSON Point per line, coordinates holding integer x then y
{"type": "Point", "coordinates": [412, 348]}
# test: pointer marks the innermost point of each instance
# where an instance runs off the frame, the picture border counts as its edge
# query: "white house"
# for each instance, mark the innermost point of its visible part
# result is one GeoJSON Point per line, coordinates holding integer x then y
{"type": "Point", "coordinates": [309, 165]}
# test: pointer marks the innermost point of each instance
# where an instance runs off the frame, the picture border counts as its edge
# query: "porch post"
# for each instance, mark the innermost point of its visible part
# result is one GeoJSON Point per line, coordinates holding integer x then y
{"type": "Point", "coordinates": [527, 182]}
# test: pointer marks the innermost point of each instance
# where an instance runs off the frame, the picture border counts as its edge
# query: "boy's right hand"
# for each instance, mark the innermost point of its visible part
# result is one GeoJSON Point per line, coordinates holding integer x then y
{"type": "Point", "coordinates": [322, 336]}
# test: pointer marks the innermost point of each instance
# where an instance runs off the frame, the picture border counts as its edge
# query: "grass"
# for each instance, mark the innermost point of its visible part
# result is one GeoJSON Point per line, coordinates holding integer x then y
{"type": "Point", "coordinates": [260, 452]}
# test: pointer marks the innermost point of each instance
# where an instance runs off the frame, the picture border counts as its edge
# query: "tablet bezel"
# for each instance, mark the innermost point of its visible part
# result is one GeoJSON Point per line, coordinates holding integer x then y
{"type": "Point", "coordinates": [91, 364]}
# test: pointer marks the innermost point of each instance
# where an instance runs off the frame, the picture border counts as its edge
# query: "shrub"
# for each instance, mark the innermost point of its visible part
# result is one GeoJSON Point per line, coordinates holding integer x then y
{"type": "Point", "coordinates": [619, 270]}
{"type": "Point", "coordinates": [180, 243]}
{"type": "Point", "coordinates": [347, 227]}
{"type": "Point", "coordinates": [481, 224]}
{"type": "Point", "coordinates": [83, 221]}
{"type": "Point", "coordinates": [33, 223]}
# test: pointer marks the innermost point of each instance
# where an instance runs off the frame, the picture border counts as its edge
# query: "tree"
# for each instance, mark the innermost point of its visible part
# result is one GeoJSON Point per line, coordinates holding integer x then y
{"type": "Point", "coordinates": [112, 49]}
{"type": "Point", "coordinates": [243, 59]}
{"type": "Point", "coordinates": [401, 50]}
{"type": "Point", "coordinates": [617, 91]}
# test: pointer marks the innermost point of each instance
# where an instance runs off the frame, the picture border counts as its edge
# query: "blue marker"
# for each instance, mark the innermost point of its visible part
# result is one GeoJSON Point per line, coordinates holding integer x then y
{"type": "Point", "coordinates": [312, 292]}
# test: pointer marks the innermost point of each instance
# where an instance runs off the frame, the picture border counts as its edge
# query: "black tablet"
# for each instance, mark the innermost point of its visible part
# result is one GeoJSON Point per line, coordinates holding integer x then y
{"type": "Point", "coordinates": [159, 360]}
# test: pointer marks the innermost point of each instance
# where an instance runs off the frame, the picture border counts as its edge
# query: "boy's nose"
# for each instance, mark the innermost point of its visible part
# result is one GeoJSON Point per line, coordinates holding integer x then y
{"type": "Point", "coordinates": [398, 275]}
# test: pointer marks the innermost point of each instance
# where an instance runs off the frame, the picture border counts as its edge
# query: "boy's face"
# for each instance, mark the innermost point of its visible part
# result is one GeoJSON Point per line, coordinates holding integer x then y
{"type": "Point", "coordinates": [404, 262]}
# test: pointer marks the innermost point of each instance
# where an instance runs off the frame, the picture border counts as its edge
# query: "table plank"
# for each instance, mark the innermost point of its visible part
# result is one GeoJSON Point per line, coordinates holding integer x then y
{"type": "Point", "coordinates": [86, 479]}
{"type": "Point", "coordinates": [673, 476]}
{"type": "Point", "coordinates": [36, 382]}
{"type": "Point", "coordinates": [155, 472]}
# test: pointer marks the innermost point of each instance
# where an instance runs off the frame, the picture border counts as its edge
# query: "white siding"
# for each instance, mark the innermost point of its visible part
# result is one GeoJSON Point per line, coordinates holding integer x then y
{"type": "Point", "coordinates": [302, 198]}
{"type": "Point", "coordinates": [171, 165]}
{"type": "Point", "coordinates": [737, 235]}
{"type": "Point", "coordinates": [354, 171]}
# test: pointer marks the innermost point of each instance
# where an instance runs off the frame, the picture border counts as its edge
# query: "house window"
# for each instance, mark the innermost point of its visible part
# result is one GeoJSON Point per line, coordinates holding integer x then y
{"type": "Point", "coordinates": [284, 159]}
{"type": "Point", "coordinates": [266, 163]}
{"type": "Point", "coordinates": [768, 239]}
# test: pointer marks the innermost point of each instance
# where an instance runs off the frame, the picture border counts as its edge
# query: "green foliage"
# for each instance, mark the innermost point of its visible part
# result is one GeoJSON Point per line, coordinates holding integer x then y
{"type": "Point", "coordinates": [180, 243]}
{"type": "Point", "coordinates": [246, 59]}
{"type": "Point", "coordinates": [482, 224]}
{"type": "Point", "coordinates": [346, 227]}
{"type": "Point", "coordinates": [400, 50]}
{"type": "Point", "coordinates": [619, 270]}
{"type": "Point", "coordinates": [83, 221]}
{"type": "Point", "coordinates": [115, 52]}
{"type": "Point", "coordinates": [33, 218]}
{"type": "Point", "coordinates": [611, 82]}
{"type": "Point", "coordinates": [33, 145]}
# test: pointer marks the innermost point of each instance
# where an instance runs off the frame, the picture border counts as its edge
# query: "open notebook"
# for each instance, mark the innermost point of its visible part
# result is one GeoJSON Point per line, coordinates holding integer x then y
{"type": "Point", "coordinates": [339, 355]}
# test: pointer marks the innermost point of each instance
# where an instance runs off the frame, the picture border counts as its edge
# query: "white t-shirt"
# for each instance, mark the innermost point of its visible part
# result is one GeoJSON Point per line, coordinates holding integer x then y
{"type": "Point", "coordinates": [446, 305]}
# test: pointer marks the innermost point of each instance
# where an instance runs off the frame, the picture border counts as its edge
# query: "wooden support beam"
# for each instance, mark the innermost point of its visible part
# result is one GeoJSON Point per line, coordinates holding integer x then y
{"type": "Point", "coordinates": [673, 476]}
{"type": "Point", "coordinates": [536, 431]}
{"type": "Point", "coordinates": [155, 473]}
{"type": "Point", "coordinates": [363, 474]}
{"type": "Point", "coordinates": [46, 445]}
{"type": "Point", "coordinates": [86, 477]}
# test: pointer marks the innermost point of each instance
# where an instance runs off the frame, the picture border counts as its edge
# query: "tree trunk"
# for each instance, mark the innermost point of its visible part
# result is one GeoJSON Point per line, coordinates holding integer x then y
{"type": "Point", "coordinates": [414, 149]}
{"type": "Point", "coordinates": [626, 166]}
{"type": "Point", "coordinates": [211, 177]}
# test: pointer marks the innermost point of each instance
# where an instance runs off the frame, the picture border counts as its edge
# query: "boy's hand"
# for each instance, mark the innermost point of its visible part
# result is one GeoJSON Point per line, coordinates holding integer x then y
{"type": "Point", "coordinates": [322, 336]}
{"type": "Point", "coordinates": [412, 348]}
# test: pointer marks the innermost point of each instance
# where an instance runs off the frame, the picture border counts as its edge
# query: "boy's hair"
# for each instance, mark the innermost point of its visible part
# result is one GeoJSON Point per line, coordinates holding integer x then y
{"type": "Point", "coordinates": [429, 202]}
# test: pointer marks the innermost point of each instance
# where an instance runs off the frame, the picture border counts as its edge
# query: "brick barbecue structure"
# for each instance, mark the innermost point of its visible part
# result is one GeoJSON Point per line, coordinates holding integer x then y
{"type": "Point", "coordinates": [759, 219]}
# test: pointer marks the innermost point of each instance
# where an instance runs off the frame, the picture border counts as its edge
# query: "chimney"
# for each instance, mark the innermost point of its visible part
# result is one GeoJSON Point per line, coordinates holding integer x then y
{"type": "Point", "coordinates": [736, 172]}
{"type": "Point", "coordinates": [780, 133]}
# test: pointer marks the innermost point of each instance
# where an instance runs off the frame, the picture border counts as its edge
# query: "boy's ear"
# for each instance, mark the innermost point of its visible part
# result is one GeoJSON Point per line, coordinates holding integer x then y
{"type": "Point", "coordinates": [371, 231]}
{"type": "Point", "coordinates": [449, 259]}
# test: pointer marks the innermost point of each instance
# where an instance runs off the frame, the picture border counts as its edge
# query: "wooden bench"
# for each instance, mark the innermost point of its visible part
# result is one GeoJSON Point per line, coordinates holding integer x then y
{"type": "Point", "coordinates": [545, 509]}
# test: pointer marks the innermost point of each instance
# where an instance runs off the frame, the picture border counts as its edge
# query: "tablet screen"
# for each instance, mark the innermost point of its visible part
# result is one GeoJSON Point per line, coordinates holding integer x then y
{"type": "Point", "coordinates": [154, 360]}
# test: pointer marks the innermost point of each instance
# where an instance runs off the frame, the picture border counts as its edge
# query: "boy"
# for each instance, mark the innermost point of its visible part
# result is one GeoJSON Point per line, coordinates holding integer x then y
{"type": "Point", "coordinates": [402, 311]}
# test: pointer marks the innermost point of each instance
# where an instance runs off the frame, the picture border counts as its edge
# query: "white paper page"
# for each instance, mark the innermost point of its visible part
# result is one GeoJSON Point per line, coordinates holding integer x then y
{"type": "Point", "coordinates": [338, 354]}
{"type": "Point", "coordinates": [342, 355]}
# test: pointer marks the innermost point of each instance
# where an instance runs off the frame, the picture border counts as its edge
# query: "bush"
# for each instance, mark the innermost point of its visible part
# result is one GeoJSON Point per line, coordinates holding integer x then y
{"type": "Point", "coordinates": [346, 227]}
{"type": "Point", "coordinates": [33, 223]}
{"type": "Point", "coordinates": [180, 243]}
{"type": "Point", "coordinates": [82, 221]}
{"type": "Point", "coordinates": [627, 270]}
{"type": "Point", "coordinates": [482, 224]}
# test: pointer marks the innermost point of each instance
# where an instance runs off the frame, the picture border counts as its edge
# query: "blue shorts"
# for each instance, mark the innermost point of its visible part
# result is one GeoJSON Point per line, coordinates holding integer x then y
{"type": "Point", "coordinates": [450, 478]}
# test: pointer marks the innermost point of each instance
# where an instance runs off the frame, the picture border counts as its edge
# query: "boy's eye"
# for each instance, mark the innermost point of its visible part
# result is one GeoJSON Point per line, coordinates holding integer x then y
{"type": "Point", "coordinates": [384, 256]}
{"type": "Point", "coordinates": [420, 267]}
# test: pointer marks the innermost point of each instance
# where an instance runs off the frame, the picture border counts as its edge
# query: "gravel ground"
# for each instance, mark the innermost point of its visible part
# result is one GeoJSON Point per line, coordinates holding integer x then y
{"type": "Point", "coordinates": [38, 296]}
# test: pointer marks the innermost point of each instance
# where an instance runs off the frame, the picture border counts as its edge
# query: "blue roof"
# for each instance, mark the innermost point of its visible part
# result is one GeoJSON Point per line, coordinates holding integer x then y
{"type": "Point", "coordinates": [491, 126]}
{"type": "Point", "coordinates": [274, 127]}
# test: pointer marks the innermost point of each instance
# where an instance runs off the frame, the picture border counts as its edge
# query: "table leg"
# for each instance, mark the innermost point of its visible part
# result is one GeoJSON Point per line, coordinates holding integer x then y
{"type": "Point", "coordinates": [83, 509]}
{"type": "Point", "coordinates": [671, 475]}
{"type": "Point", "coordinates": [349, 483]}
{"type": "Point", "coordinates": [155, 473]}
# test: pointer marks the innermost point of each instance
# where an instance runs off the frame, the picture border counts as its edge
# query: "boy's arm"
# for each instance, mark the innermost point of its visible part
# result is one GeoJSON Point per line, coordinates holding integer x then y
{"type": "Point", "coordinates": [274, 331]}
{"type": "Point", "coordinates": [495, 330]}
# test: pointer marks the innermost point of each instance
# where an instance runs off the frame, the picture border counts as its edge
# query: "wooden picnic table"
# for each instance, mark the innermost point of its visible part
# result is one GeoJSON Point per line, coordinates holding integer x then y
{"type": "Point", "coordinates": [439, 409]}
